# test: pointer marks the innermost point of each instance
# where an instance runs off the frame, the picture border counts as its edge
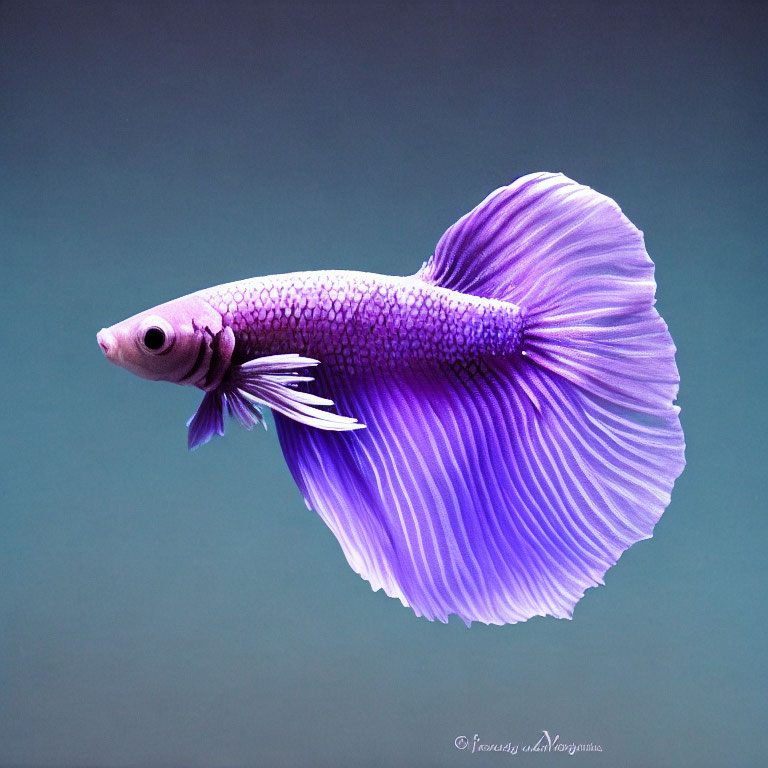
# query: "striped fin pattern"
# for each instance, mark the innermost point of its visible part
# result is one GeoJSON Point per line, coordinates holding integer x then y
{"type": "Point", "coordinates": [462, 497]}
{"type": "Point", "coordinates": [503, 491]}
{"type": "Point", "coordinates": [270, 380]}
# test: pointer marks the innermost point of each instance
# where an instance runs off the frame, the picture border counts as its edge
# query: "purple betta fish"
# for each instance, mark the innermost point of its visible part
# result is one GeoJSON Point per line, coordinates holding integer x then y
{"type": "Point", "coordinates": [485, 437]}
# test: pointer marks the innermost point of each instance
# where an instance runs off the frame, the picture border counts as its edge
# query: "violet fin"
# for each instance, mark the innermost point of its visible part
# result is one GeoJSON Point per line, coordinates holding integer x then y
{"type": "Point", "coordinates": [460, 497]}
{"type": "Point", "coordinates": [505, 491]}
{"type": "Point", "coordinates": [248, 414]}
{"type": "Point", "coordinates": [207, 420]}
{"type": "Point", "coordinates": [578, 268]}
{"type": "Point", "coordinates": [273, 381]}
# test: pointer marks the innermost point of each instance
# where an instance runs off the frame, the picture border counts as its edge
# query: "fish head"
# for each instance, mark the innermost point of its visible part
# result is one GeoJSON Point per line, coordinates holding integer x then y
{"type": "Point", "coordinates": [182, 341]}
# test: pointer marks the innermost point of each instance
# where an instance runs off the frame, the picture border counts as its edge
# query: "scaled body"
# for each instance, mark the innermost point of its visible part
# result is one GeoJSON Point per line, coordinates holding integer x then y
{"type": "Point", "coordinates": [354, 320]}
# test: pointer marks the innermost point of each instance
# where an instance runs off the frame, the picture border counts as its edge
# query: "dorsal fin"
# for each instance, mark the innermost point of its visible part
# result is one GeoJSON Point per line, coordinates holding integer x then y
{"type": "Point", "coordinates": [578, 268]}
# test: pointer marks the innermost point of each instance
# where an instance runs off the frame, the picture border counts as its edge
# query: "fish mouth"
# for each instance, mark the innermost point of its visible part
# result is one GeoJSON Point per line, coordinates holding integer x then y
{"type": "Point", "coordinates": [107, 342]}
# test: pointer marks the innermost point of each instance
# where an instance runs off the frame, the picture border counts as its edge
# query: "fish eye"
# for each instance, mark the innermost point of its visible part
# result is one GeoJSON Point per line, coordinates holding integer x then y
{"type": "Point", "coordinates": [155, 335]}
{"type": "Point", "coordinates": [154, 338]}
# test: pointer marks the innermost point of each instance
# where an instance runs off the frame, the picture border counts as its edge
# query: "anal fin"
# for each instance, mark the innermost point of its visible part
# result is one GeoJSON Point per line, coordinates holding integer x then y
{"type": "Point", "coordinates": [462, 496]}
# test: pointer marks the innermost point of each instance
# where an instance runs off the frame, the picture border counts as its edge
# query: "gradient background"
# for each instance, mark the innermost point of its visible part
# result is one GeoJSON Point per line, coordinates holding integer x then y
{"type": "Point", "coordinates": [165, 608]}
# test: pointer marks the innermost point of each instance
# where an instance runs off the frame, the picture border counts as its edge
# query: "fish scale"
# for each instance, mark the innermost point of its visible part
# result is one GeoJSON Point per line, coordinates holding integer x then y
{"type": "Point", "coordinates": [351, 320]}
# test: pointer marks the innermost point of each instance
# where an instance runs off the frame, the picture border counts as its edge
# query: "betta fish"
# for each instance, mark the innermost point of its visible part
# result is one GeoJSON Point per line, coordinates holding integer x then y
{"type": "Point", "coordinates": [485, 437]}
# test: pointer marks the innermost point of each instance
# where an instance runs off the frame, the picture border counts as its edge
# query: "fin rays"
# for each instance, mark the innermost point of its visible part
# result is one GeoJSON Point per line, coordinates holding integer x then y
{"type": "Point", "coordinates": [506, 493]}
{"type": "Point", "coordinates": [270, 381]}
{"type": "Point", "coordinates": [487, 509]}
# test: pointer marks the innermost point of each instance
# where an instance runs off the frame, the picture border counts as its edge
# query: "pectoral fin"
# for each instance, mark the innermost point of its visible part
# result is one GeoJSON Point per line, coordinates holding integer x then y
{"type": "Point", "coordinates": [272, 381]}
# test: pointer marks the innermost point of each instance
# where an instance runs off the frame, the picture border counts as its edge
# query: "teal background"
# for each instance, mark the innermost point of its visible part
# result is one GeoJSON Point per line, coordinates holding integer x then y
{"type": "Point", "coordinates": [160, 608]}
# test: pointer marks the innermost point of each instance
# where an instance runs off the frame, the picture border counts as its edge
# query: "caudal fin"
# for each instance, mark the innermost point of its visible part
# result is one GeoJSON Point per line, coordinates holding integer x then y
{"type": "Point", "coordinates": [506, 493]}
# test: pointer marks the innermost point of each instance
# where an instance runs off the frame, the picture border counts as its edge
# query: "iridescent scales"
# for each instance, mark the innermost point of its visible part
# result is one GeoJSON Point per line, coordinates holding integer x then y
{"type": "Point", "coordinates": [354, 321]}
